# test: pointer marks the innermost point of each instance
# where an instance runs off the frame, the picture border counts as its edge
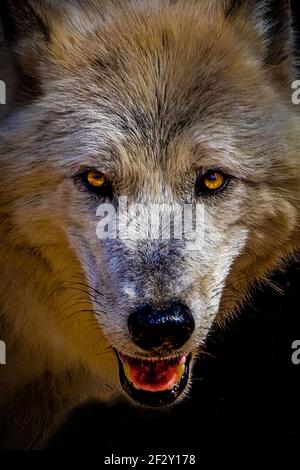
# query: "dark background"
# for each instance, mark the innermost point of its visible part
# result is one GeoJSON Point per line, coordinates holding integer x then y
{"type": "Point", "coordinates": [246, 390]}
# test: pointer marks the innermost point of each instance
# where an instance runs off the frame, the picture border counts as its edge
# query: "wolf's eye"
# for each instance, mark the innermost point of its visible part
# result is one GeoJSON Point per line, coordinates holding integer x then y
{"type": "Point", "coordinates": [95, 179]}
{"type": "Point", "coordinates": [212, 182]}
{"type": "Point", "coordinates": [96, 182]}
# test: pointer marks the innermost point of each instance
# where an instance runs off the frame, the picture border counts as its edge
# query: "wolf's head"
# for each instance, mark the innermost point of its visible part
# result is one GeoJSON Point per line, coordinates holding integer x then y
{"type": "Point", "coordinates": [128, 122]}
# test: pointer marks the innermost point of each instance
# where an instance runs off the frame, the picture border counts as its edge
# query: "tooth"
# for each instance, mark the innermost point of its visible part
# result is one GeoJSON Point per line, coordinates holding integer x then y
{"type": "Point", "coordinates": [127, 371]}
{"type": "Point", "coordinates": [180, 370]}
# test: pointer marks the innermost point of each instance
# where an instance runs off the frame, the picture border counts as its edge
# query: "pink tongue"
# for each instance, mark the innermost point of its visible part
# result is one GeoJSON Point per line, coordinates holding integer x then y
{"type": "Point", "coordinates": [154, 376]}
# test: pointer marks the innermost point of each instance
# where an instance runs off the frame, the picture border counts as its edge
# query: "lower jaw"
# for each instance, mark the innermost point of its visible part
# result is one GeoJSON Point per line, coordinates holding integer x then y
{"type": "Point", "coordinates": [155, 398]}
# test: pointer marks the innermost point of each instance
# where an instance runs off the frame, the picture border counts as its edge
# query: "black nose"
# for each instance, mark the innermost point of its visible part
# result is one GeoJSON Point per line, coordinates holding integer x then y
{"type": "Point", "coordinates": [151, 328]}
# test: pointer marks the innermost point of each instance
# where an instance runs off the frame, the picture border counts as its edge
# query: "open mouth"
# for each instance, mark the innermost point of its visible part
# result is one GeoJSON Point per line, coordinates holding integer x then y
{"type": "Point", "coordinates": [154, 382]}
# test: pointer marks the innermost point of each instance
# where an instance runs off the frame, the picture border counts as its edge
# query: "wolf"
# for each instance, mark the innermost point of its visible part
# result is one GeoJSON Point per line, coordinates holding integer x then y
{"type": "Point", "coordinates": [166, 103]}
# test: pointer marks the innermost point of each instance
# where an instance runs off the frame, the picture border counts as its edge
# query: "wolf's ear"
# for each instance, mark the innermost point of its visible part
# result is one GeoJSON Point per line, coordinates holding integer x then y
{"type": "Point", "coordinates": [34, 28]}
{"type": "Point", "coordinates": [35, 37]}
{"type": "Point", "coordinates": [26, 18]}
{"type": "Point", "coordinates": [271, 23]}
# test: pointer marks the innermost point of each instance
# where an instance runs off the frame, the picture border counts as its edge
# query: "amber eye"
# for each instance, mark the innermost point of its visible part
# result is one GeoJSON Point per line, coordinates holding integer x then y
{"type": "Point", "coordinates": [95, 182]}
{"type": "Point", "coordinates": [212, 182]}
{"type": "Point", "coordinates": [96, 179]}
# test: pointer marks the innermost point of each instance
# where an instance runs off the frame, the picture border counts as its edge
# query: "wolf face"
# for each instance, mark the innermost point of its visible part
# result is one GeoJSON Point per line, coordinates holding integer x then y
{"type": "Point", "coordinates": [171, 104]}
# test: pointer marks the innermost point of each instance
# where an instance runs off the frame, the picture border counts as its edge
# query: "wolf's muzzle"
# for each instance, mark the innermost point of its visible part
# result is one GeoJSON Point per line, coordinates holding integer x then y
{"type": "Point", "coordinates": [154, 329]}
